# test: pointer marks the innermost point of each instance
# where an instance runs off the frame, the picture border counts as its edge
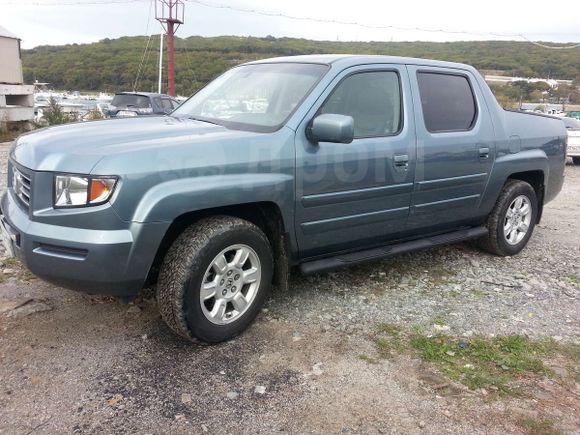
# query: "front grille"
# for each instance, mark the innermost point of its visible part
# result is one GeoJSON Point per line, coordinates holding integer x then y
{"type": "Point", "coordinates": [21, 185]}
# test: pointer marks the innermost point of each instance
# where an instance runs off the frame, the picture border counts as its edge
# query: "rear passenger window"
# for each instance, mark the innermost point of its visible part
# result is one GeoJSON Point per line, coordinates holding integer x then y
{"type": "Point", "coordinates": [447, 101]}
{"type": "Point", "coordinates": [373, 99]}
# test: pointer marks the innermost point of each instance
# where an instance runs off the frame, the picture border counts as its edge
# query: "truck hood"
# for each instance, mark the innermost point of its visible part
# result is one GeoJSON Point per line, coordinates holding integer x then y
{"type": "Point", "coordinates": [77, 148]}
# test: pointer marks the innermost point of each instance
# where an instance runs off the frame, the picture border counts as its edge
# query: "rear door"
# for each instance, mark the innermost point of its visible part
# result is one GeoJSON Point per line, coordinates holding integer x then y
{"type": "Point", "coordinates": [455, 148]}
{"type": "Point", "coordinates": [350, 196]}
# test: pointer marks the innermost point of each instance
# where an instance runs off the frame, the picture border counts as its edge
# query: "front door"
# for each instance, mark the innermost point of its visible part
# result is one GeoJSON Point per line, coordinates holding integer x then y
{"type": "Point", "coordinates": [352, 196]}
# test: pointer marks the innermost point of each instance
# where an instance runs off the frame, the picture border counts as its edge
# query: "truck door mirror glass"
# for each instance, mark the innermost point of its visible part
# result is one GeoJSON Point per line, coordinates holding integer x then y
{"type": "Point", "coordinates": [331, 127]}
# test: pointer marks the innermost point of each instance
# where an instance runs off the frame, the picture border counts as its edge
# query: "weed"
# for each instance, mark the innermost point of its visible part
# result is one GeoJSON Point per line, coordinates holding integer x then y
{"type": "Point", "coordinates": [574, 279]}
{"type": "Point", "coordinates": [390, 329]}
{"type": "Point", "coordinates": [534, 426]}
{"type": "Point", "coordinates": [494, 364]}
{"type": "Point", "coordinates": [367, 359]}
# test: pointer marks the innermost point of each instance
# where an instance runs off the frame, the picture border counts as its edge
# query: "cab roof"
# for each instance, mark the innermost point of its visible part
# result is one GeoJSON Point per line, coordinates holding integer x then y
{"type": "Point", "coordinates": [346, 60]}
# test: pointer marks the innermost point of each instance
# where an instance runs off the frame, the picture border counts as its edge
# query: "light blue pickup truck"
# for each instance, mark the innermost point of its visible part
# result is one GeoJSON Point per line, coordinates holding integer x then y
{"type": "Point", "coordinates": [313, 162]}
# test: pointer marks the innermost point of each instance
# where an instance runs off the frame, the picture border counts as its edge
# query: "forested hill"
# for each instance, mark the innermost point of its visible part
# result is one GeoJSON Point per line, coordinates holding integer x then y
{"type": "Point", "coordinates": [112, 65]}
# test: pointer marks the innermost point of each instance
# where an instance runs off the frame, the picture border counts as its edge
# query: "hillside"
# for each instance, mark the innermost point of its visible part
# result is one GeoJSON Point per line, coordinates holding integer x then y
{"type": "Point", "coordinates": [111, 65]}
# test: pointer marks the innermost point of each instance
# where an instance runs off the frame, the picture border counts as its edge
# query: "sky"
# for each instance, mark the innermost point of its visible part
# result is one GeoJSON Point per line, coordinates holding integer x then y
{"type": "Point", "coordinates": [56, 22]}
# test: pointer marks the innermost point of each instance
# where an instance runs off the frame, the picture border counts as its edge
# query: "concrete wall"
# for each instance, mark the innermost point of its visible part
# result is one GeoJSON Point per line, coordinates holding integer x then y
{"type": "Point", "coordinates": [16, 103]}
{"type": "Point", "coordinates": [10, 62]}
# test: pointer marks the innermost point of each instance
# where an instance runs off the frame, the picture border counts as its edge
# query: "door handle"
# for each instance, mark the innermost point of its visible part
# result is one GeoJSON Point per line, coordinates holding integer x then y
{"type": "Point", "coordinates": [484, 153]}
{"type": "Point", "coordinates": [401, 160]}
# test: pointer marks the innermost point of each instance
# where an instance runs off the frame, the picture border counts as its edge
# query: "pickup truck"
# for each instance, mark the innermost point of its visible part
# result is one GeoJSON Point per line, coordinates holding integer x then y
{"type": "Point", "coordinates": [306, 162]}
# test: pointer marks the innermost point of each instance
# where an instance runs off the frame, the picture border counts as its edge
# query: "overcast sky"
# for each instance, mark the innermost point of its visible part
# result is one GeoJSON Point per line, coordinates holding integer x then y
{"type": "Point", "coordinates": [39, 22]}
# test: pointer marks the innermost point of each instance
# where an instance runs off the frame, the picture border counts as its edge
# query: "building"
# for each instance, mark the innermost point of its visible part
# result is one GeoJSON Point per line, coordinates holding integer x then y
{"type": "Point", "coordinates": [504, 80]}
{"type": "Point", "coordinates": [16, 98]}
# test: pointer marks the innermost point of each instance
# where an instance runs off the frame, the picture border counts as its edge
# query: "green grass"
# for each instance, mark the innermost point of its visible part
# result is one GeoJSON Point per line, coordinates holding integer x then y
{"type": "Point", "coordinates": [390, 329]}
{"type": "Point", "coordinates": [491, 363]}
{"type": "Point", "coordinates": [574, 279]}
{"type": "Point", "coordinates": [367, 359]}
{"type": "Point", "coordinates": [534, 426]}
{"type": "Point", "coordinates": [439, 321]}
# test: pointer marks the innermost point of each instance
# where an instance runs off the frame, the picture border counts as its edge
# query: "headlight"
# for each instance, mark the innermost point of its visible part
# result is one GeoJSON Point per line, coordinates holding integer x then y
{"type": "Point", "coordinates": [79, 191]}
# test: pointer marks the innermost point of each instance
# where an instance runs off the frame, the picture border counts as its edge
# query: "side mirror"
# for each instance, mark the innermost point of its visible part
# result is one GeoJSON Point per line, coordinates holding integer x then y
{"type": "Point", "coordinates": [330, 127]}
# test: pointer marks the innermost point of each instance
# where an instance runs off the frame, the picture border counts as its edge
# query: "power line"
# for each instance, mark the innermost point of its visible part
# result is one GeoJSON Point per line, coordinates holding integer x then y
{"type": "Point", "coordinates": [313, 19]}
{"type": "Point", "coordinates": [374, 26]}
{"type": "Point", "coordinates": [146, 46]}
{"type": "Point", "coordinates": [70, 3]}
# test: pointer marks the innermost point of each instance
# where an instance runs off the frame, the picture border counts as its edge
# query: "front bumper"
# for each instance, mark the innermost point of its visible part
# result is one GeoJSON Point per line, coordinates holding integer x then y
{"type": "Point", "coordinates": [114, 262]}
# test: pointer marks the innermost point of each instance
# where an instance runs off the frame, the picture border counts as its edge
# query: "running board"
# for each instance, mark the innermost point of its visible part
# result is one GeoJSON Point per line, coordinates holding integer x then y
{"type": "Point", "coordinates": [341, 260]}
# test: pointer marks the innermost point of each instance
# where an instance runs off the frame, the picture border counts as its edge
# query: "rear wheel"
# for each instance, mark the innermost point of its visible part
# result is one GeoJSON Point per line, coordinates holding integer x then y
{"type": "Point", "coordinates": [512, 220]}
{"type": "Point", "coordinates": [214, 279]}
{"type": "Point", "coordinates": [576, 160]}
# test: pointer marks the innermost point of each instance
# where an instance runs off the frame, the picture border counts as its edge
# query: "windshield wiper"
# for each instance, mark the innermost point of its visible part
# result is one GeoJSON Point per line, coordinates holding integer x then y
{"type": "Point", "coordinates": [195, 118]}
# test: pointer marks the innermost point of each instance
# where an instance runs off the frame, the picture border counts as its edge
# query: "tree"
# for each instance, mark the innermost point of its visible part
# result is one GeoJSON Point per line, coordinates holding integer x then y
{"type": "Point", "coordinates": [54, 114]}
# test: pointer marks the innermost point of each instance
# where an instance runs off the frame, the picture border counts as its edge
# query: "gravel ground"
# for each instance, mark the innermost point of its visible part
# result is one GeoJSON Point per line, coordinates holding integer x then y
{"type": "Point", "coordinates": [83, 364]}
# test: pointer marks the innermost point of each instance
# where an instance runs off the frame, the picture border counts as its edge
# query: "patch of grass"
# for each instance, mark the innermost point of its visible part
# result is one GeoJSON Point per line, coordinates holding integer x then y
{"type": "Point", "coordinates": [387, 346]}
{"type": "Point", "coordinates": [367, 359]}
{"type": "Point", "coordinates": [440, 275]}
{"type": "Point", "coordinates": [574, 279]}
{"type": "Point", "coordinates": [485, 363]}
{"type": "Point", "coordinates": [439, 321]}
{"type": "Point", "coordinates": [534, 426]}
{"type": "Point", "coordinates": [390, 329]}
{"type": "Point", "coordinates": [479, 293]}
{"type": "Point", "coordinates": [491, 363]}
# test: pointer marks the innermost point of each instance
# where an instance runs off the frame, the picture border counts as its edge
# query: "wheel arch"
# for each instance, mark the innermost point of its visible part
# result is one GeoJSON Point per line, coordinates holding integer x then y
{"type": "Point", "coordinates": [265, 215]}
{"type": "Point", "coordinates": [535, 178]}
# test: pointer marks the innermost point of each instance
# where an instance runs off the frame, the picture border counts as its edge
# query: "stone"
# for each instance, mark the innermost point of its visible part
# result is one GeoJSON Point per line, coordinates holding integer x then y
{"type": "Point", "coordinates": [133, 309]}
{"type": "Point", "coordinates": [317, 369]}
{"type": "Point", "coordinates": [185, 398]}
{"type": "Point", "coordinates": [260, 389]}
{"type": "Point", "coordinates": [232, 395]}
{"type": "Point", "coordinates": [29, 308]}
{"type": "Point", "coordinates": [11, 304]}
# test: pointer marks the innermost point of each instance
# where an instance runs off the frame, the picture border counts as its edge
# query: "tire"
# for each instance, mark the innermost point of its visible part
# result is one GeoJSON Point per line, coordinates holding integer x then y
{"type": "Point", "coordinates": [576, 160]}
{"type": "Point", "coordinates": [497, 241]}
{"type": "Point", "coordinates": [192, 261]}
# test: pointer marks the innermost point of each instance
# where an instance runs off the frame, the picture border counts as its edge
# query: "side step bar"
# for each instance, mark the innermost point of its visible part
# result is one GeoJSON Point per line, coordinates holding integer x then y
{"type": "Point", "coordinates": [341, 260]}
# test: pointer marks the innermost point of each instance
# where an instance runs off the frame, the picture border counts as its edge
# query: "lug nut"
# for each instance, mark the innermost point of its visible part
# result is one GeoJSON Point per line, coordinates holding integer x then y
{"type": "Point", "coordinates": [237, 277]}
{"type": "Point", "coordinates": [222, 281]}
{"type": "Point", "coordinates": [224, 292]}
{"type": "Point", "coordinates": [229, 272]}
{"type": "Point", "coordinates": [233, 289]}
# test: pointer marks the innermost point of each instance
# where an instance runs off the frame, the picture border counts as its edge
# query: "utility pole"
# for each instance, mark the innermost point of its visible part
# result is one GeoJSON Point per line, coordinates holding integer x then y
{"type": "Point", "coordinates": [170, 13]}
{"type": "Point", "coordinates": [160, 62]}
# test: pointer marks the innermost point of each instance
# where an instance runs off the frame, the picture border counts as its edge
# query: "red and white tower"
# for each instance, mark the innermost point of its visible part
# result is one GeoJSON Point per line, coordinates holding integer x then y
{"type": "Point", "coordinates": [170, 13]}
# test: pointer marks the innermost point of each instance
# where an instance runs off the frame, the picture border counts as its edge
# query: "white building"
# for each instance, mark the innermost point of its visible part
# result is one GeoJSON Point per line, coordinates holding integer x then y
{"type": "Point", "coordinates": [16, 98]}
{"type": "Point", "coordinates": [504, 80]}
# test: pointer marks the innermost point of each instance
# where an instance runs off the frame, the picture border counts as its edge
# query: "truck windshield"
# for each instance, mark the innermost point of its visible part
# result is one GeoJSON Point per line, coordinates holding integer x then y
{"type": "Point", "coordinates": [257, 97]}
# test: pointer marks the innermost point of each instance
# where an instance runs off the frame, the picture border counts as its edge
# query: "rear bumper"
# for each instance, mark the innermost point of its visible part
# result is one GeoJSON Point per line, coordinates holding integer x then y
{"type": "Point", "coordinates": [113, 262]}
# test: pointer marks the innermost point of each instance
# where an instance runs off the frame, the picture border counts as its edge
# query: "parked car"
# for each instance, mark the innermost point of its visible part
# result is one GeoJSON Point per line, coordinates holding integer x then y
{"type": "Point", "coordinates": [573, 127]}
{"type": "Point", "coordinates": [131, 104]}
{"type": "Point", "coordinates": [315, 162]}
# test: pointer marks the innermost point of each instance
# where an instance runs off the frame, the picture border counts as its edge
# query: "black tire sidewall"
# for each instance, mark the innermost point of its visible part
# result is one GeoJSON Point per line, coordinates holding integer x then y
{"type": "Point", "coordinates": [527, 191]}
{"type": "Point", "coordinates": [196, 321]}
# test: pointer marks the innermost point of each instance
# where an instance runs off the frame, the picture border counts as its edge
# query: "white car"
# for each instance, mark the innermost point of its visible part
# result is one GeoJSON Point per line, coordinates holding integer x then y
{"type": "Point", "coordinates": [573, 128]}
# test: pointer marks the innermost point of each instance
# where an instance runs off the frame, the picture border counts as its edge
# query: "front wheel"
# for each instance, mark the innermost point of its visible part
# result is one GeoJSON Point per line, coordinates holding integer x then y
{"type": "Point", "coordinates": [512, 220]}
{"type": "Point", "coordinates": [215, 278]}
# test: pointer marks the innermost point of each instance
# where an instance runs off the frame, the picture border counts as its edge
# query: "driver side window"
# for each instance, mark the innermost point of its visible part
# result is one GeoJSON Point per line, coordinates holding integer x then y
{"type": "Point", "coordinates": [373, 99]}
